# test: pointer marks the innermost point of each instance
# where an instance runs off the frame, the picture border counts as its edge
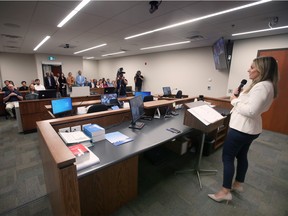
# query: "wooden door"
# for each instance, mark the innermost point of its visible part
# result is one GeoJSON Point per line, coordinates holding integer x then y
{"type": "Point", "coordinates": [276, 119]}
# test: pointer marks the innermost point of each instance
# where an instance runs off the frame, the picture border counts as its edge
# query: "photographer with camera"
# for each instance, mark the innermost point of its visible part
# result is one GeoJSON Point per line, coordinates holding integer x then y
{"type": "Point", "coordinates": [138, 79]}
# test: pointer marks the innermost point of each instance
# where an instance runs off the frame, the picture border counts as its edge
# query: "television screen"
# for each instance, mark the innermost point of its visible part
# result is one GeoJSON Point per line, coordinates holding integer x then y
{"type": "Point", "coordinates": [220, 54]}
{"type": "Point", "coordinates": [166, 91]}
{"type": "Point", "coordinates": [109, 90]}
{"type": "Point", "coordinates": [137, 111]}
{"type": "Point", "coordinates": [48, 93]}
{"type": "Point", "coordinates": [61, 105]}
{"type": "Point", "coordinates": [143, 94]}
{"type": "Point", "coordinates": [109, 99]}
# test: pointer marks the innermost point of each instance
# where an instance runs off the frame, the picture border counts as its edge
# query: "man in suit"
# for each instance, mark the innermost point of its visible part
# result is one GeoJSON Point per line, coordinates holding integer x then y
{"type": "Point", "coordinates": [49, 81]}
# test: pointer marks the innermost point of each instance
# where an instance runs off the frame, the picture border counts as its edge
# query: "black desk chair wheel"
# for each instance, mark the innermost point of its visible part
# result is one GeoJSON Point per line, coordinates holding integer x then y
{"type": "Point", "coordinates": [97, 108]}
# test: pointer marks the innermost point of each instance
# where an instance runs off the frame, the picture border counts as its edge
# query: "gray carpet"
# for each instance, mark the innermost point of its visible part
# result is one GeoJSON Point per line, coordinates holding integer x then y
{"type": "Point", "coordinates": [22, 187]}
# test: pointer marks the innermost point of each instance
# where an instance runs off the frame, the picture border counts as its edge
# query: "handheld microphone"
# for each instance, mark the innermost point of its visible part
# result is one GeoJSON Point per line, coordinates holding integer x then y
{"type": "Point", "coordinates": [243, 82]}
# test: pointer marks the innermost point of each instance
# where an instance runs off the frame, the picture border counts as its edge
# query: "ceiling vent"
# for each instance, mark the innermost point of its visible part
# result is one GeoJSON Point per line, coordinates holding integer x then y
{"type": "Point", "coordinates": [196, 38]}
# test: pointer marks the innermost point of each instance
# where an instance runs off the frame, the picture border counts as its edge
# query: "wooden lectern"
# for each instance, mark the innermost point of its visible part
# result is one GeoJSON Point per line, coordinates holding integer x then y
{"type": "Point", "coordinates": [193, 122]}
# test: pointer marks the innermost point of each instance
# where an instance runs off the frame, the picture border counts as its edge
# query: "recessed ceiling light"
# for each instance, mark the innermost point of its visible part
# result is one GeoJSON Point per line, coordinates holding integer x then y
{"type": "Point", "coordinates": [165, 45]}
{"type": "Point", "coordinates": [199, 18]}
{"type": "Point", "coordinates": [111, 54]}
{"type": "Point", "coordinates": [260, 30]}
{"type": "Point", "coordinates": [95, 47]}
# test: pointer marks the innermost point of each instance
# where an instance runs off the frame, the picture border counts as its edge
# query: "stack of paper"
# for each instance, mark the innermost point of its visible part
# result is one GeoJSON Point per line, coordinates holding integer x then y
{"type": "Point", "coordinates": [117, 138]}
{"type": "Point", "coordinates": [74, 137]}
{"type": "Point", "coordinates": [95, 132]}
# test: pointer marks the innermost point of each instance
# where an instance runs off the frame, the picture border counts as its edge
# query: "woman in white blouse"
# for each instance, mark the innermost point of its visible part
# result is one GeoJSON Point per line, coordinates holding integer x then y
{"type": "Point", "coordinates": [246, 123]}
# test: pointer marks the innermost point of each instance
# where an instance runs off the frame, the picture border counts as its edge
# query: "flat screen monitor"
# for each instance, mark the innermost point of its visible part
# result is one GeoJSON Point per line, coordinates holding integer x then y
{"type": "Point", "coordinates": [143, 94]}
{"type": "Point", "coordinates": [109, 90]}
{"type": "Point", "coordinates": [48, 93]}
{"type": "Point", "coordinates": [109, 99]}
{"type": "Point", "coordinates": [166, 91]}
{"type": "Point", "coordinates": [137, 111]}
{"type": "Point", "coordinates": [220, 54]}
{"type": "Point", "coordinates": [61, 105]}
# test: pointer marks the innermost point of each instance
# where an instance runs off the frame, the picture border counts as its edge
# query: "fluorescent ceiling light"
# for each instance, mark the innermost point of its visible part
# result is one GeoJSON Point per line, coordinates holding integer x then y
{"type": "Point", "coordinates": [165, 45]}
{"type": "Point", "coordinates": [73, 13]}
{"type": "Point", "coordinates": [95, 47]}
{"type": "Point", "coordinates": [261, 30]}
{"type": "Point", "coordinates": [199, 18]}
{"type": "Point", "coordinates": [111, 54]}
{"type": "Point", "coordinates": [42, 42]}
{"type": "Point", "coordinates": [89, 57]}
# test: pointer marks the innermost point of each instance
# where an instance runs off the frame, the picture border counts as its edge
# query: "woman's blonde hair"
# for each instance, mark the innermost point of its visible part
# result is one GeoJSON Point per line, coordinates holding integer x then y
{"type": "Point", "coordinates": [268, 68]}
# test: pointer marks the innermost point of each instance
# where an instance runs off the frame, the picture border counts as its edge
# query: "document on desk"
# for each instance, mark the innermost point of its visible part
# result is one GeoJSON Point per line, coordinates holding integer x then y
{"type": "Point", "coordinates": [74, 137]}
{"type": "Point", "coordinates": [206, 114]}
{"type": "Point", "coordinates": [117, 138]}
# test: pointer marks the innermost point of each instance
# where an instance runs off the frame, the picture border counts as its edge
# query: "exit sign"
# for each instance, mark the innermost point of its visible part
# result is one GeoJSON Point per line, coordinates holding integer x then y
{"type": "Point", "coordinates": [51, 58]}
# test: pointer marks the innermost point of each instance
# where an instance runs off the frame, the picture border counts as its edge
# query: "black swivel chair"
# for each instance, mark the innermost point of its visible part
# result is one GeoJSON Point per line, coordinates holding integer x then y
{"type": "Point", "coordinates": [179, 94]}
{"type": "Point", "coordinates": [97, 108]}
{"type": "Point", "coordinates": [148, 98]}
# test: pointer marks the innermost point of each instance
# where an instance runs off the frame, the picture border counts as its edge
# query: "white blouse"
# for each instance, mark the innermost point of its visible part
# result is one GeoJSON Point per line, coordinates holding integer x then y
{"type": "Point", "coordinates": [248, 107]}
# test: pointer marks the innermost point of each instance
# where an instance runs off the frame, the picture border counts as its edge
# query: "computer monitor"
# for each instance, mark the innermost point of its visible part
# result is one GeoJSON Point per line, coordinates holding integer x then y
{"type": "Point", "coordinates": [166, 91]}
{"type": "Point", "coordinates": [109, 99]}
{"type": "Point", "coordinates": [137, 111]}
{"type": "Point", "coordinates": [48, 93]}
{"type": "Point", "coordinates": [109, 90]}
{"type": "Point", "coordinates": [61, 106]}
{"type": "Point", "coordinates": [143, 94]}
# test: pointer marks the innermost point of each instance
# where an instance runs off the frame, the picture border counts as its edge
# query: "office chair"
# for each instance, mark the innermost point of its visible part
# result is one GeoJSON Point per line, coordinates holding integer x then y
{"type": "Point", "coordinates": [97, 108]}
{"type": "Point", "coordinates": [148, 98]}
{"type": "Point", "coordinates": [179, 94]}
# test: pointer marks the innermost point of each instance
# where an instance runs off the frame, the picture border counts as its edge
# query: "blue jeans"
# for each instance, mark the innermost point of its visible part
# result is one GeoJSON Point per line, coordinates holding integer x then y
{"type": "Point", "coordinates": [236, 146]}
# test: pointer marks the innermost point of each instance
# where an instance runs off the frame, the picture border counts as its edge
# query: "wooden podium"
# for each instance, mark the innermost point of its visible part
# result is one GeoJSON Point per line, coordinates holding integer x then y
{"type": "Point", "coordinates": [193, 122]}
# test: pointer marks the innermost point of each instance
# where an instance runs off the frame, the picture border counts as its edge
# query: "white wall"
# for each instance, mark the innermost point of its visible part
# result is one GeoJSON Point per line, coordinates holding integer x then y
{"type": "Point", "coordinates": [17, 67]}
{"type": "Point", "coordinates": [90, 69]}
{"type": "Point", "coordinates": [244, 51]}
{"type": "Point", "coordinates": [188, 70]}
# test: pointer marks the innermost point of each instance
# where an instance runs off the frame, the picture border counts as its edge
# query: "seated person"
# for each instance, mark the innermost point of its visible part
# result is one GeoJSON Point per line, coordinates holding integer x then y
{"type": "Point", "coordinates": [24, 87]}
{"type": "Point", "coordinates": [10, 97]}
{"type": "Point", "coordinates": [32, 93]}
{"type": "Point", "coordinates": [39, 86]}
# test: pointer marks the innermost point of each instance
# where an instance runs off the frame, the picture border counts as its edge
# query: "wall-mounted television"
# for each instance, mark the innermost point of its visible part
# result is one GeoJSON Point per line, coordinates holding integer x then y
{"type": "Point", "coordinates": [222, 52]}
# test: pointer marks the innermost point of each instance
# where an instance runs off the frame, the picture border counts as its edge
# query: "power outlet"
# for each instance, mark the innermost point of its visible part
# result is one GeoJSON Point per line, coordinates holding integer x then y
{"type": "Point", "coordinates": [67, 129]}
{"type": "Point", "coordinates": [76, 128]}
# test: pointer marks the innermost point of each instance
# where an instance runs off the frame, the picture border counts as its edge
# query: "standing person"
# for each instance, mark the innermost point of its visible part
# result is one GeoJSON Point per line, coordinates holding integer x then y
{"type": "Point", "coordinates": [80, 80]}
{"type": "Point", "coordinates": [120, 70]}
{"type": "Point", "coordinates": [62, 85]}
{"type": "Point", "coordinates": [24, 87]}
{"type": "Point", "coordinates": [10, 97]}
{"type": "Point", "coordinates": [70, 81]}
{"type": "Point", "coordinates": [246, 123]}
{"type": "Point", "coordinates": [138, 80]}
{"type": "Point", "coordinates": [121, 85]}
{"type": "Point", "coordinates": [49, 81]}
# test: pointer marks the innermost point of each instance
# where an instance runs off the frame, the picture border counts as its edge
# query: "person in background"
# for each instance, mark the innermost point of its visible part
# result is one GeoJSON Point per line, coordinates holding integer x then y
{"type": "Point", "coordinates": [32, 93]}
{"type": "Point", "coordinates": [104, 84]}
{"type": "Point", "coordinates": [94, 83]}
{"type": "Point", "coordinates": [62, 85]}
{"type": "Point", "coordinates": [24, 87]}
{"type": "Point", "coordinates": [5, 88]}
{"type": "Point", "coordinates": [38, 85]}
{"type": "Point", "coordinates": [138, 80]}
{"type": "Point", "coordinates": [120, 70]}
{"type": "Point", "coordinates": [121, 85]}
{"type": "Point", "coordinates": [70, 81]}
{"type": "Point", "coordinates": [10, 97]}
{"type": "Point", "coordinates": [109, 83]}
{"type": "Point", "coordinates": [80, 80]}
{"type": "Point", "coordinates": [49, 81]}
{"type": "Point", "coordinates": [246, 123]}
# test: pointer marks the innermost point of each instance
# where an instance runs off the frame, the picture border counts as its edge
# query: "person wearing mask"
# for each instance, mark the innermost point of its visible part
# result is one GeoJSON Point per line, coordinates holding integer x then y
{"type": "Point", "coordinates": [80, 79]}
{"type": "Point", "coordinates": [38, 85]}
{"type": "Point", "coordinates": [121, 85]}
{"type": "Point", "coordinates": [138, 80]}
{"type": "Point", "coordinates": [246, 123]}
{"type": "Point", "coordinates": [10, 97]}
{"type": "Point", "coordinates": [24, 87]}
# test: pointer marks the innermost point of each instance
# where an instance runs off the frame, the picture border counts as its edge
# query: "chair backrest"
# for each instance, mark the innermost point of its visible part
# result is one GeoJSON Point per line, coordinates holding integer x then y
{"type": "Point", "coordinates": [179, 94]}
{"type": "Point", "coordinates": [148, 98]}
{"type": "Point", "coordinates": [97, 108]}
